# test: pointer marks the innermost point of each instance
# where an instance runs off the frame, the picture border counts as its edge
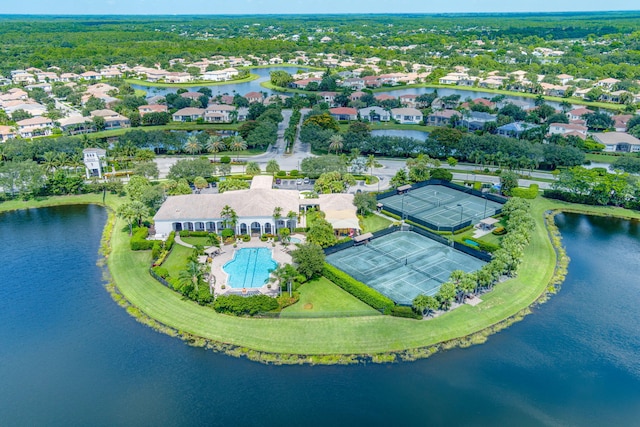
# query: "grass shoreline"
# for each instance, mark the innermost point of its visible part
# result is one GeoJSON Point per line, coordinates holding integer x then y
{"type": "Point", "coordinates": [328, 340]}
{"type": "Point", "coordinates": [251, 77]}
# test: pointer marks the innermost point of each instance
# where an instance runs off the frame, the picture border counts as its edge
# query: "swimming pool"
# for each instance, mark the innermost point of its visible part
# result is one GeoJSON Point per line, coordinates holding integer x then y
{"type": "Point", "coordinates": [249, 268]}
{"type": "Point", "coordinates": [295, 240]}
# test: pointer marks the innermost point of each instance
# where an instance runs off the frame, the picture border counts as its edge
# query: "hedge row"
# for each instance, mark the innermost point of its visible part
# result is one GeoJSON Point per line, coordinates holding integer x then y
{"type": "Point", "coordinates": [482, 245]}
{"type": "Point", "coordinates": [187, 233]}
{"type": "Point", "coordinates": [402, 311]}
{"type": "Point", "coordinates": [358, 289]}
{"type": "Point", "coordinates": [238, 305]}
{"type": "Point", "coordinates": [139, 240]}
{"type": "Point", "coordinates": [526, 193]}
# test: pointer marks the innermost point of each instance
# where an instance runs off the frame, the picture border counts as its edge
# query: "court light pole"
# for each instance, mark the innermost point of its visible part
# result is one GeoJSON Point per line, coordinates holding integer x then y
{"type": "Point", "coordinates": [485, 206]}
{"type": "Point", "coordinates": [461, 211]}
{"type": "Point", "coordinates": [402, 208]}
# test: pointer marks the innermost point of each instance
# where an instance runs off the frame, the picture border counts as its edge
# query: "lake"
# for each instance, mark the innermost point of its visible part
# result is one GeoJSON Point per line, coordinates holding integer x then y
{"type": "Point", "coordinates": [415, 134]}
{"type": "Point", "coordinates": [226, 89]}
{"type": "Point", "coordinates": [71, 356]}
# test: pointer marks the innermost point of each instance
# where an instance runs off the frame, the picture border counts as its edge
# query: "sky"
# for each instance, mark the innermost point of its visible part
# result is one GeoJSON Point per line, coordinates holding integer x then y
{"type": "Point", "coordinates": [216, 7]}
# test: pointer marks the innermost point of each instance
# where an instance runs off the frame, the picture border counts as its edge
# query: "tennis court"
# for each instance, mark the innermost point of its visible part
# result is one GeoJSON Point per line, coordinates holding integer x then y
{"type": "Point", "coordinates": [442, 206]}
{"type": "Point", "coordinates": [403, 265]}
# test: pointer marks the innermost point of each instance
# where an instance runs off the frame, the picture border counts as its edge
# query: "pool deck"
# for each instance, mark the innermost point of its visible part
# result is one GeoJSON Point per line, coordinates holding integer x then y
{"type": "Point", "coordinates": [218, 277]}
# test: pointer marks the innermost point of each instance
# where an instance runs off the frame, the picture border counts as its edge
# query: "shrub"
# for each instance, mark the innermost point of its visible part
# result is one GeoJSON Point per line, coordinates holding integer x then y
{"type": "Point", "coordinates": [156, 250]}
{"type": "Point", "coordinates": [526, 193]}
{"type": "Point", "coordinates": [170, 241]}
{"type": "Point", "coordinates": [238, 305]}
{"type": "Point", "coordinates": [225, 159]}
{"type": "Point", "coordinates": [482, 245]}
{"type": "Point", "coordinates": [281, 173]}
{"type": "Point", "coordinates": [187, 233]}
{"type": "Point", "coordinates": [499, 231]}
{"type": "Point", "coordinates": [245, 237]}
{"type": "Point", "coordinates": [300, 229]}
{"type": "Point", "coordinates": [227, 233]}
{"type": "Point", "coordinates": [139, 240]}
{"type": "Point", "coordinates": [477, 186]}
{"type": "Point", "coordinates": [402, 311]}
{"type": "Point", "coordinates": [358, 289]}
{"type": "Point", "coordinates": [161, 271]}
{"type": "Point", "coordinates": [293, 172]}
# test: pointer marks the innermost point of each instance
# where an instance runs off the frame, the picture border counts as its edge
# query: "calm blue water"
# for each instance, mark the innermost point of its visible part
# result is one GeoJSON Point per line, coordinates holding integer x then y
{"type": "Point", "coordinates": [415, 134]}
{"type": "Point", "coordinates": [227, 89]}
{"type": "Point", "coordinates": [69, 356]}
{"type": "Point", "coordinates": [249, 267]}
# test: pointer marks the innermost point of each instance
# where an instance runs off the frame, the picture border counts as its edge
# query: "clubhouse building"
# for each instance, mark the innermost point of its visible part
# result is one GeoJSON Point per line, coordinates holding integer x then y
{"type": "Point", "coordinates": [255, 209]}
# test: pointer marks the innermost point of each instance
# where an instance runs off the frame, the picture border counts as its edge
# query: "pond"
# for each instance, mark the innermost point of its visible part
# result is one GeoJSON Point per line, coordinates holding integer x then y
{"type": "Point", "coordinates": [415, 134]}
{"type": "Point", "coordinates": [226, 89]}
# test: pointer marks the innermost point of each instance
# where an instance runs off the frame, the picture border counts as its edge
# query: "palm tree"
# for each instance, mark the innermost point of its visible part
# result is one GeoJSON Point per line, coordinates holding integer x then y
{"type": "Point", "coordinates": [50, 161]}
{"type": "Point", "coordinates": [62, 160]}
{"type": "Point", "coordinates": [132, 211]}
{"type": "Point", "coordinates": [192, 276]}
{"type": "Point", "coordinates": [238, 144]}
{"type": "Point", "coordinates": [372, 163]}
{"type": "Point", "coordinates": [285, 273]}
{"type": "Point", "coordinates": [336, 142]}
{"type": "Point", "coordinates": [215, 144]}
{"type": "Point", "coordinates": [291, 216]}
{"type": "Point", "coordinates": [229, 217]}
{"type": "Point", "coordinates": [277, 214]}
{"type": "Point", "coordinates": [192, 146]}
{"type": "Point", "coordinates": [76, 162]}
{"type": "Point", "coordinates": [272, 167]}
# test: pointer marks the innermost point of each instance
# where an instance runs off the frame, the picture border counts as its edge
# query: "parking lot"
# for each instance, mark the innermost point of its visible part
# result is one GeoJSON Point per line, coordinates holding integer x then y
{"type": "Point", "coordinates": [300, 184]}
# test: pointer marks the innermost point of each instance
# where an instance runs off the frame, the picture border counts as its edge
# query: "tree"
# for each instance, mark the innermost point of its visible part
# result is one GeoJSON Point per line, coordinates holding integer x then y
{"type": "Point", "coordinates": [237, 144]}
{"type": "Point", "coordinates": [333, 182]}
{"type": "Point", "coordinates": [232, 184]}
{"type": "Point", "coordinates": [253, 168]}
{"type": "Point", "coordinates": [192, 146]}
{"type": "Point", "coordinates": [284, 274]}
{"type": "Point", "coordinates": [598, 121]}
{"type": "Point", "coordinates": [365, 202]}
{"type": "Point", "coordinates": [272, 167]}
{"type": "Point", "coordinates": [336, 143]}
{"type": "Point", "coordinates": [132, 211]}
{"type": "Point", "coordinates": [508, 181]}
{"type": "Point", "coordinates": [192, 277]}
{"type": "Point", "coordinates": [446, 294]}
{"type": "Point", "coordinates": [309, 259]}
{"type": "Point", "coordinates": [229, 217]}
{"type": "Point", "coordinates": [313, 167]}
{"type": "Point", "coordinates": [189, 169]}
{"type": "Point", "coordinates": [215, 145]}
{"type": "Point", "coordinates": [277, 214]}
{"type": "Point", "coordinates": [137, 186]}
{"type": "Point", "coordinates": [200, 183]}
{"type": "Point", "coordinates": [291, 219]}
{"type": "Point", "coordinates": [425, 304]}
{"type": "Point", "coordinates": [147, 170]}
{"type": "Point", "coordinates": [400, 178]}
{"type": "Point", "coordinates": [320, 232]}
{"type": "Point", "coordinates": [372, 163]}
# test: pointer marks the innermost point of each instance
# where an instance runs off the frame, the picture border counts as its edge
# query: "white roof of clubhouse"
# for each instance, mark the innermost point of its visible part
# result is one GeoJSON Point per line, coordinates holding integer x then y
{"type": "Point", "coordinates": [614, 138]}
{"type": "Point", "coordinates": [246, 203]}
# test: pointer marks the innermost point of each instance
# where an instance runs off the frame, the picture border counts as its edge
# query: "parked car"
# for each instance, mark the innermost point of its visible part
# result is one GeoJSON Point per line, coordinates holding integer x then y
{"type": "Point", "coordinates": [306, 179]}
{"type": "Point", "coordinates": [278, 181]}
{"type": "Point", "coordinates": [299, 181]}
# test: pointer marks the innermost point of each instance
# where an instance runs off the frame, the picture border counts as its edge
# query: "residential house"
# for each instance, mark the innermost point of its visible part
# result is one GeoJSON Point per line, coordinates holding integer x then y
{"type": "Point", "coordinates": [408, 100]}
{"type": "Point", "coordinates": [615, 96]}
{"type": "Point", "coordinates": [354, 83]}
{"type": "Point", "coordinates": [564, 78]}
{"type": "Point", "coordinates": [44, 86]}
{"type": "Point", "coordinates": [515, 129]}
{"type": "Point", "coordinates": [7, 133]}
{"type": "Point", "coordinates": [344, 113]}
{"type": "Point", "coordinates": [553, 90]}
{"type": "Point", "coordinates": [69, 77]}
{"type": "Point", "coordinates": [254, 97]}
{"type": "Point", "coordinates": [152, 108]}
{"type": "Point", "coordinates": [29, 106]}
{"type": "Point", "coordinates": [177, 77]}
{"type": "Point", "coordinates": [568, 129]}
{"type": "Point", "coordinates": [24, 77]}
{"type": "Point", "coordinates": [607, 83]}
{"type": "Point", "coordinates": [47, 77]}
{"type": "Point", "coordinates": [618, 142]}
{"type": "Point", "coordinates": [329, 97]}
{"type": "Point", "coordinates": [407, 115]}
{"type": "Point", "coordinates": [374, 114]}
{"type": "Point", "coordinates": [220, 75]}
{"type": "Point", "coordinates": [356, 96]}
{"type": "Point", "coordinates": [219, 113]}
{"type": "Point", "coordinates": [303, 83]}
{"type": "Point", "coordinates": [35, 127]}
{"type": "Point", "coordinates": [75, 125]}
{"type": "Point", "coordinates": [112, 120]}
{"type": "Point", "coordinates": [620, 121]}
{"type": "Point", "coordinates": [442, 117]}
{"type": "Point", "coordinates": [372, 81]}
{"type": "Point", "coordinates": [385, 97]}
{"type": "Point", "coordinates": [475, 120]}
{"type": "Point", "coordinates": [453, 78]}
{"type": "Point", "coordinates": [188, 115]}
{"type": "Point", "coordinates": [91, 75]}
{"type": "Point", "coordinates": [194, 96]}
{"type": "Point", "coordinates": [577, 113]}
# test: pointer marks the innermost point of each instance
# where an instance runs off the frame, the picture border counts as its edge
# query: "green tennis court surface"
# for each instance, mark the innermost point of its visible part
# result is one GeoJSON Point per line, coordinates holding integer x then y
{"type": "Point", "coordinates": [442, 206]}
{"type": "Point", "coordinates": [403, 264]}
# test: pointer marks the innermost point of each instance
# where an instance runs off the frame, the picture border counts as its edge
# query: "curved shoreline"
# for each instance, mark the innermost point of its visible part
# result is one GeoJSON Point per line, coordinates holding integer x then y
{"type": "Point", "coordinates": [331, 341]}
{"type": "Point", "coordinates": [145, 83]}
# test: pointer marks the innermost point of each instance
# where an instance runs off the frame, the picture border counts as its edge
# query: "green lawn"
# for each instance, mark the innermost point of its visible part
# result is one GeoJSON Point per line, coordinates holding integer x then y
{"type": "Point", "coordinates": [603, 158]}
{"type": "Point", "coordinates": [373, 222]}
{"type": "Point", "coordinates": [322, 297]}
{"type": "Point", "coordinates": [177, 259]}
{"type": "Point", "coordinates": [204, 241]}
{"type": "Point", "coordinates": [145, 83]}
